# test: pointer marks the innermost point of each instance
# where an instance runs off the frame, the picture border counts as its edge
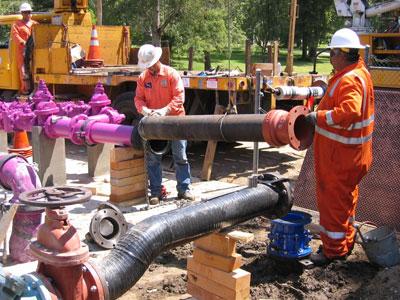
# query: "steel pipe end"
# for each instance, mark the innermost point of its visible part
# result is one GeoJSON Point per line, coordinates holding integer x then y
{"type": "Point", "coordinates": [281, 128]}
{"type": "Point", "coordinates": [159, 147]}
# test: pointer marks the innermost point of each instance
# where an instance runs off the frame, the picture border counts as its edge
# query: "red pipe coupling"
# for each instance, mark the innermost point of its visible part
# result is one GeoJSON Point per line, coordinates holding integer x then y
{"type": "Point", "coordinates": [281, 128]}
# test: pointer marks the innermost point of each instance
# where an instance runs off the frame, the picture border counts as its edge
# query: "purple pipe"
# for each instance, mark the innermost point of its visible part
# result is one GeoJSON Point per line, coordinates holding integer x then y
{"type": "Point", "coordinates": [83, 130]}
{"type": "Point", "coordinates": [19, 176]}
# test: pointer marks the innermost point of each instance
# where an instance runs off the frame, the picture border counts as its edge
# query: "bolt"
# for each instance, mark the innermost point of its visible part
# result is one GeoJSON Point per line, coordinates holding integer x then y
{"type": "Point", "coordinates": [84, 269]}
{"type": "Point", "coordinates": [34, 285]}
{"type": "Point", "coordinates": [93, 289]}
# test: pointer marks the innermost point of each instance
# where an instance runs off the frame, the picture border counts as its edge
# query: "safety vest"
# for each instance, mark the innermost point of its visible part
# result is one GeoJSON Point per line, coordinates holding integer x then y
{"type": "Point", "coordinates": [358, 132]}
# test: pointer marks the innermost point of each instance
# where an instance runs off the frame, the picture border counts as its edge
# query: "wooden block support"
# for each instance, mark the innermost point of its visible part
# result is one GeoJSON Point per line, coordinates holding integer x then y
{"type": "Point", "coordinates": [223, 263]}
{"type": "Point", "coordinates": [128, 177]}
{"type": "Point", "coordinates": [199, 293]}
{"type": "Point", "coordinates": [125, 153]}
{"type": "Point", "coordinates": [217, 288]}
{"type": "Point", "coordinates": [236, 280]}
{"type": "Point", "coordinates": [119, 174]}
{"type": "Point", "coordinates": [217, 243]}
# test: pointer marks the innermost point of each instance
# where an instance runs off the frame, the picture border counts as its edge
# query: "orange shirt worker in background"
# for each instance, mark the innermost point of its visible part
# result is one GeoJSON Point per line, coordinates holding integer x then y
{"type": "Point", "coordinates": [344, 123]}
{"type": "Point", "coordinates": [160, 92]}
{"type": "Point", "coordinates": [21, 31]}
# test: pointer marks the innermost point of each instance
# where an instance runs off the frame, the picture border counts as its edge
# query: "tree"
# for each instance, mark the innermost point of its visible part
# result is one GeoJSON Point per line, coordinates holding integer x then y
{"type": "Point", "coordinates": [265, 20]}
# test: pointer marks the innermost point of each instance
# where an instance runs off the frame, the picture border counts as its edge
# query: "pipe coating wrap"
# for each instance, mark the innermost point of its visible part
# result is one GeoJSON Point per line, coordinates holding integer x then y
{"type": "Point", "coordinates": [135, 251]}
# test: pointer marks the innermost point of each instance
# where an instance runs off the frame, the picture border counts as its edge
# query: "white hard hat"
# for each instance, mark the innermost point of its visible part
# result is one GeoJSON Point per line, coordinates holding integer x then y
{"type": "Point", "coordinates": [148, 55]}
{"type": "Point", "coordinates": [25, 7]}
{"type": "Point", "coordinates": [345, 38]}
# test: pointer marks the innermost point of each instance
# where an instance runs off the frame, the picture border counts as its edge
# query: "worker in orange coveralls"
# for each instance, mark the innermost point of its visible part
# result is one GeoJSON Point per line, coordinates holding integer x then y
{"type": "Point", "coordinates": [21, 31]}
{"type": "Point", "coordinates": [160, 92]}
{"type": "Point", "coordinates": [344, 123]}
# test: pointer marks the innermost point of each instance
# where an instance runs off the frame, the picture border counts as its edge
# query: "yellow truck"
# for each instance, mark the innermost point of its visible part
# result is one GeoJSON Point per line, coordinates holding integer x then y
{"type": "Point", "coordinates": [53, 54]}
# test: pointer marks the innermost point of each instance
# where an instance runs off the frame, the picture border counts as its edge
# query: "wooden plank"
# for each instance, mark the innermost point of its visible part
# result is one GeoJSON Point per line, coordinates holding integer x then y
{"type": "Point", "coordinates": [217, 243]}
{"type": "Point", "coordinates": [117, 174]}
{"type": "Point", "coordinates": [211, 147]}
{"type": "Point", "coordinates": [125, 153]}
{"type": "Point", "coordinates": [236, 280]}
{"type": "Point", "coordinates": [244, 237]}
{"type": "Point", "coordinates": [216, 288]}
{"type": "Point", "coordinates": [133, 196]}
{"type": "Point", "coordinates": [6, 220]}
{"type": "Point", "coordinates": [127, 164]}
{"type": "Point", "coordinates": [200, 294]}
{"type": "Point", "coordinates": [121, 190]}
{"type": "Point", "coordinates": [226, 264]}
{"type": "Point", "coordinates": [128, 180]}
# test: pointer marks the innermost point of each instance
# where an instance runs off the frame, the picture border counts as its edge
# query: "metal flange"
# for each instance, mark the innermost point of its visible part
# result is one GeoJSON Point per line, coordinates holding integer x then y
{"type": "Point", "coordinates": [107, 226]}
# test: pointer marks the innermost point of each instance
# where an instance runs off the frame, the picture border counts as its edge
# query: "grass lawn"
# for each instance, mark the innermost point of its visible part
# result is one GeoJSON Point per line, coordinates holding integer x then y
{"type": "Point", "coordinates": [237, 61]}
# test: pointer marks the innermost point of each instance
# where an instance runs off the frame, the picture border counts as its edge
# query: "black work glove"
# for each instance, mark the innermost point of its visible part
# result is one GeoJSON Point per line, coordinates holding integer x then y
{"type": "Point", "coordinates": [311, 118]}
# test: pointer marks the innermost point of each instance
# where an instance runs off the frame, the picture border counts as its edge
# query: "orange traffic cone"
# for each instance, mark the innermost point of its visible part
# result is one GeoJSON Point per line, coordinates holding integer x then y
{"type": "Point", "coordinates": [21, 144]}
{"type": "Point", "coordinates": [94, 58]}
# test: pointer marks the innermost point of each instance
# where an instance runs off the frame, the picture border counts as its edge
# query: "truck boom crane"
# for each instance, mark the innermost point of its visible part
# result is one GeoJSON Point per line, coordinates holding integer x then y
{"type": "Point", "coordinates": [358, 12]}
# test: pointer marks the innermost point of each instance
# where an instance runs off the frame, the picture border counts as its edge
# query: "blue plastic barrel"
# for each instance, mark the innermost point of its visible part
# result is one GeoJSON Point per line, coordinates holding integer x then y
{"type": "Point", "coordinates": [288, 237]}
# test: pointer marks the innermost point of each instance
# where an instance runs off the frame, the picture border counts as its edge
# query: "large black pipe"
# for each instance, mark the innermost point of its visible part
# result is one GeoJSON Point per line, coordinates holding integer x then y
{"type": "Point", "coordinates": [229, 128]}
{"type": "Point", "coordinates": [134, 252]}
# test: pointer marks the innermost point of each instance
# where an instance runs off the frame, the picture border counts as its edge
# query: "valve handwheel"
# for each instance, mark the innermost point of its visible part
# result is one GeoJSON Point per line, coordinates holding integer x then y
{"type": "Point", "coordinates": [56, 196]}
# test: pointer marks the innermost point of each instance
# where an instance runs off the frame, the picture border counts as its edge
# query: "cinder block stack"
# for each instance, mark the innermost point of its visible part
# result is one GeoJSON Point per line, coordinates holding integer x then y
{"type": "Point", "coordinates": [214, 269]}
{"type": "Point", "coordinates": [128, 176]}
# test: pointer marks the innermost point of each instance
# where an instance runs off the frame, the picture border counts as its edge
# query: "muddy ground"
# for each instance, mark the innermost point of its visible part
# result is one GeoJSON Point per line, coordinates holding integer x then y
{"type": "Point", "coordinates": [355, 278]}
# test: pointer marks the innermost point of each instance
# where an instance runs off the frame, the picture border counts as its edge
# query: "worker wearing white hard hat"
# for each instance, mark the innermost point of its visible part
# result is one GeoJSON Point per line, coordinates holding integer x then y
{"type": "Point", "coordinates": [160, 92]}
{"type": "Point", "coordinates": [344, 123]}
{"type": "Point", "coordinates": [21, 31]}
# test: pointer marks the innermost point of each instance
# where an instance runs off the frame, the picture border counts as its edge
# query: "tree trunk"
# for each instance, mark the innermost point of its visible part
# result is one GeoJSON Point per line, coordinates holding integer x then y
{"type": "Point", "coordinates": [99, 12]}
{"type": "Point", "coordinates": [156, 31]}
{"type": "Point", "coordinates": [207, 60]}
{"type": "Point", "coordinates": [190, 64]}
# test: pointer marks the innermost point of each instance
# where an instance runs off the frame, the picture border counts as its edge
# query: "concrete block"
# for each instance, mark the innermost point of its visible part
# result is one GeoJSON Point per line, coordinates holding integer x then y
{"type": "Point", "coordinates": [49, 154]}
{"type": "Point", "coordinates": [99, 159]}
{"type": "Point", "coordinates": [3, 142]}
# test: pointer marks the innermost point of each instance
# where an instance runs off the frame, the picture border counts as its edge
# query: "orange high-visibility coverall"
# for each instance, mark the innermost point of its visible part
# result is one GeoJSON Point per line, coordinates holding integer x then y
{"type": "Point", "coordinates": [342, 154]}
{"type": "Point", "coordinates": [20, 33]}
{"type": "Point", "coordinates": [157, 91]}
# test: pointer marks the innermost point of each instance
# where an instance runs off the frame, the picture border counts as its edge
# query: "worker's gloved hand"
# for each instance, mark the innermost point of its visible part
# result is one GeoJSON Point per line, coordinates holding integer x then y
{"type": "Point", "coordinates": [146, 111]}
{"type": "Point", "coordinates": [161, 112]}
{"type": "Point", "coordinates": [311, 118]}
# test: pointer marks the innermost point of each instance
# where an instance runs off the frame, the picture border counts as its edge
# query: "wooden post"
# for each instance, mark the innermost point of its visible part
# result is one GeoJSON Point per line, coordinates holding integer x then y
{"type": "Point", "coordinates": [275, 58]}
{"type": "Point", "coordinates": [211, 145]}
{"type": "Point", "coordinates": [270, 54]}
{"type": "Point", "coordinates": [292, 29]}
{"type": "Point", "coordinates": [190, 64]}
{"type": "Point", "coordinates": [247, 54]}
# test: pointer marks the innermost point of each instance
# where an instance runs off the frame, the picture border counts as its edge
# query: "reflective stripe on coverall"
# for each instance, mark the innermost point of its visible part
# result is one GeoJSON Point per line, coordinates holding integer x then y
{"type": "Point", "coordinates": [21, 32]}
{"type": "Point", "coordinates": [160, 90]}
{"type": "Point", "coordinates": [342, 154]}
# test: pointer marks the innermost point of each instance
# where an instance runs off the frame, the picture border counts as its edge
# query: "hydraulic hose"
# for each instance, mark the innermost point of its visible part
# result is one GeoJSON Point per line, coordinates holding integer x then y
{"type": "Point", "coordinates": [134, 252]}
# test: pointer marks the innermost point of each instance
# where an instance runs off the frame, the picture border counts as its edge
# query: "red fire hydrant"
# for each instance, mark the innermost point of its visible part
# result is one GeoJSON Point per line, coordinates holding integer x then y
{"type": "Point", "coordinates": [63, 259]}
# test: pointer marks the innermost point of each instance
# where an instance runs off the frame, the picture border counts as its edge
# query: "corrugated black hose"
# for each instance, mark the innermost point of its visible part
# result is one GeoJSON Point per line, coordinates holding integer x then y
{"type": "Point", "coordinates": [135, 251]}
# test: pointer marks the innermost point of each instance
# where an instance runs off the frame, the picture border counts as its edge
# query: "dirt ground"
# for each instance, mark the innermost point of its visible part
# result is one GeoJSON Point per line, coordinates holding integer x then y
{"type": "Point", "coordinates": [355, 278]}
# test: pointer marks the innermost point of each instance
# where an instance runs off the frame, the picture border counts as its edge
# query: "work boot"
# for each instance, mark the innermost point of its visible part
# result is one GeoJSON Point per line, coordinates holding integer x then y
{"type": "Point", "coordinates": [319, 258]}
{"type": "Point", "coordinates": [154, 200]}
{"type": "Point", "coordinates": [186, 195]}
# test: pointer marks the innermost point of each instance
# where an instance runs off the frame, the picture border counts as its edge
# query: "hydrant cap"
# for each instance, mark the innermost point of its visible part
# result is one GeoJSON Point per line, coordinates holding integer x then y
{"type": "Point", "coordinates": [148, 55]}
{"type": "Point", "coordinates": [345, 38]}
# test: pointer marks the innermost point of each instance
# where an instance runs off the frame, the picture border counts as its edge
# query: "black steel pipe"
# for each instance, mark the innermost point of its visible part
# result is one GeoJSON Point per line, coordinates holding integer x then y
{"type": "Point", "coordinates": [229, 128]}
{"type": "Point", "coordinates": [134, 252]}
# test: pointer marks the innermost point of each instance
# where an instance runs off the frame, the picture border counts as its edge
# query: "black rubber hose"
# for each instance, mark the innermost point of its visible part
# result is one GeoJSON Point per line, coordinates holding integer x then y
{"type": "Point", "coordinates": [134, 252]}
{"type": "Point", "coordinates": [207, 128]}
